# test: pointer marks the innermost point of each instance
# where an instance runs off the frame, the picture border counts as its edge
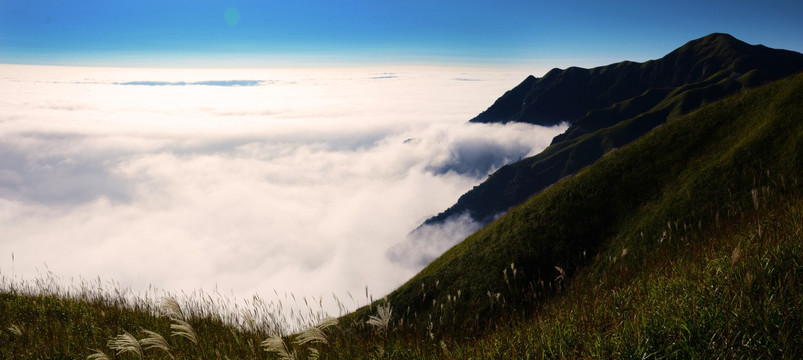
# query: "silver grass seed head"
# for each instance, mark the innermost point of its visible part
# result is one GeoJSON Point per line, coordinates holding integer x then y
{"type": "Point", "coordinates": [172, 309]}
{"type": "Point", "coordinates": [312, 335]}
{"type": "Point", "coordinates": [381, 320]}
{"type": "Point", "coordinates": [124, 343]}
{"type": "Point", "coordinates": [14, 329]}
{"type": "Point", "coordinates": [97, 355]}
{"type": "Point", "coordinates": [154, 341]}
{"type": "Point", "coordinates": [183, 329]}
{"type": "Point", "coordinates": [276, 345]}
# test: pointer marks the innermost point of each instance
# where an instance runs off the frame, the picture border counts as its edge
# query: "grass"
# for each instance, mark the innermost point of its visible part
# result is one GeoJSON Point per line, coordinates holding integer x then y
{"type": "Point", "coordinates": [56, 322]}
{"type": "Point", "coordinates": [684, 244]}
{"type": "Point", "coordinates": [731, 291]}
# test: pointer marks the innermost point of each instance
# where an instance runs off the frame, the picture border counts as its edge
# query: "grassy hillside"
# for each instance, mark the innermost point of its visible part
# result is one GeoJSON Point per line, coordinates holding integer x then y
{"type": "Point", "coordinates": [685, 243]}
{"type": "Point", "coordinates": [731, 291]}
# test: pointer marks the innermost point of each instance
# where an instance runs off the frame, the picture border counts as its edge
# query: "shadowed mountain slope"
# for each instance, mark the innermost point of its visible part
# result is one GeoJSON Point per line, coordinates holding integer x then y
{"type": "Point", "coordinates": [611, 106]}
{"type": "Point", "coordinates": [566, 95]}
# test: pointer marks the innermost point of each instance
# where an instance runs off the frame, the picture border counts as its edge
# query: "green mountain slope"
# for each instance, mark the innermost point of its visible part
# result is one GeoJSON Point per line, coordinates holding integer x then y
{"type": "Point", "coordinates": [694, 171]}
{"type": "Point", "coordinates": [611, 106]}
{"type": "Point", "coordinates": [729, 291]}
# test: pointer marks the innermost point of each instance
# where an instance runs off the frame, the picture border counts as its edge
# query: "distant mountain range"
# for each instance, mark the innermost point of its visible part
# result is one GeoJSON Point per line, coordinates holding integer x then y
{"type": "Point", "coordinates": [610, 106]}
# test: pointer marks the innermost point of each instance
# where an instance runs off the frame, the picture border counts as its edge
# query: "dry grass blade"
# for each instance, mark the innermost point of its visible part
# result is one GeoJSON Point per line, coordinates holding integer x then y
{"type": "Point", "coordinates": [327, 323]}
{"type": "Point", "coordinates": [561, 273]}
{"type": "Point", "coordinates": [736, 255]}
{"type": "Point", "coordinates": [172, 309]}
{"type": "Point", "coordinates": [315, 334]}
{"type": "Point", "coordinates": [155, 341]}
{"type": "Point", "coordinates": [124, 343]}
{"type": "Point", "coordinates": [276, 345]}
{"type": "Point", "coordinates": [97, 355]}
{"type": "Point", "coordinates": [183, 329]}
{"type": "Point", "coordinates": [14, 329]}
{"type": "Point", "coordinates": [314, 354]}
{"type": "Point", "coordinates": [311, 335]}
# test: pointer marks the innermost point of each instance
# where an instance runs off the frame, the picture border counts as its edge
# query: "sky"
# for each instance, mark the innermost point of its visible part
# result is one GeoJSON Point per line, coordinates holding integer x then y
{"type": "Point", "coordinates": [258, 33]}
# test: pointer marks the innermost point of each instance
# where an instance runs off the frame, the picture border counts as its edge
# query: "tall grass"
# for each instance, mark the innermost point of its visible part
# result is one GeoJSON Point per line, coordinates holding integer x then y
{"type": "Point", "coordinates": [727, 291]}
{"type": "Point", "coordinates": [43, 318]}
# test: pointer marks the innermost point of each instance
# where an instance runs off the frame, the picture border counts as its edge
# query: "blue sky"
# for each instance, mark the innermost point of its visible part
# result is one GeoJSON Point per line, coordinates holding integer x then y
{"type": "Point", "coordinates": [270, 32]}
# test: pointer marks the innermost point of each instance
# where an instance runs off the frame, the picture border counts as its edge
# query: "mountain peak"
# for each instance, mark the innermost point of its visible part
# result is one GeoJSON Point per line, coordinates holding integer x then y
{"type": "Point", "coordinates": [717, 37]}
{"type": "Point", "coordinates": [712, 45]}
{"type": "Point", "coordinates": [566, 95]}
{"type": "Point", "coordinates": [716, 44]}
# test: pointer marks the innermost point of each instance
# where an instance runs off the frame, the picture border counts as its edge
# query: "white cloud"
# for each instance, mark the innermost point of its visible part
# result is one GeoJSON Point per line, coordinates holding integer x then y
{"type": "Point", "coordinates": [429, 241]}
{"type": "Point", "coordinates": [302, 183]}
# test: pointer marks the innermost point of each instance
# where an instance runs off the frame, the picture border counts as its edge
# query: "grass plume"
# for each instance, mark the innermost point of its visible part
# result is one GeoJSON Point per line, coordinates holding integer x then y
{"type": "Point", "coordinates": [154, 340]}
{"type": "Point", "coordinates": [381, 321]}
{"type": "Point", "coordinates": [97, 355]}
{"type": "Point", "coordinates": [277, 345]}
{"type": "Point", "coordinates": [126, 343]}
{"type": "Point", "coordinates": [183, 329]}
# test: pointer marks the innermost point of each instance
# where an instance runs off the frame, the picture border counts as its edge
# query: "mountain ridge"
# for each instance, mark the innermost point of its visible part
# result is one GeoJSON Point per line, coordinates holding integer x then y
{"type": "Point", "coordinates": [556, 97]}
{"type": "Point", "coordinates": [721, 65]}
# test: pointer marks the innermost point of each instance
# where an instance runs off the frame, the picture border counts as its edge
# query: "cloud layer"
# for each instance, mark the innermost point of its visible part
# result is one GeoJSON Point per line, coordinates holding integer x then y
{"type": "Point", "coordinates": [304, 181]}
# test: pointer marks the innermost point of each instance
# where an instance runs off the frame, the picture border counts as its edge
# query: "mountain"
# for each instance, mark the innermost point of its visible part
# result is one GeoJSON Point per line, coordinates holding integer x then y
{"type": "Point", "coordinates": [567, 95]}
{"type": "Point", "coordinates": [608, 107]}
{"type": "Point", "coordinates": [698, 171]}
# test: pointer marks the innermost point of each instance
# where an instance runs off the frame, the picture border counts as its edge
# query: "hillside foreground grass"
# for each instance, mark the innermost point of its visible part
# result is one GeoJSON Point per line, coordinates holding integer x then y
{"type": "Point", "coordinates": [684, 244]}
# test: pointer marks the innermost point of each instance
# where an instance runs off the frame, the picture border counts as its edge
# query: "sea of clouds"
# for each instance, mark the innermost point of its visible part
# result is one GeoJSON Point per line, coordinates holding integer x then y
{"type": "Point", "coordinates": [248, 181]}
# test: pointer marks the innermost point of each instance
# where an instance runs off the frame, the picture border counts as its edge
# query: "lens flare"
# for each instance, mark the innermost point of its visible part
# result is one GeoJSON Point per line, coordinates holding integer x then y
{"type": "Point", "coordinates": [232, 16]}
